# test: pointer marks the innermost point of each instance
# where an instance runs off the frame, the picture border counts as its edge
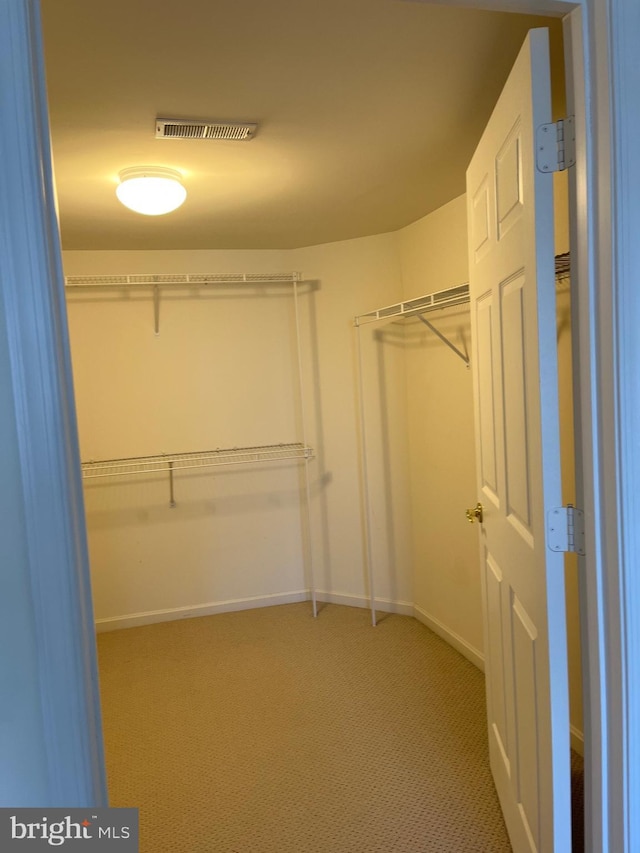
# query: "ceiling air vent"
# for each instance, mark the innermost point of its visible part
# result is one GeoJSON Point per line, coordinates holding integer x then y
{"type": "Point", "coordinates": [169, 128]}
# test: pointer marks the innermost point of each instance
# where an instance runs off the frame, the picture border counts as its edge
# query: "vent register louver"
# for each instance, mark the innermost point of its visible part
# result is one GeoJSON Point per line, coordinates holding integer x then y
{"type": "Point", "coordinates": [169, 128]}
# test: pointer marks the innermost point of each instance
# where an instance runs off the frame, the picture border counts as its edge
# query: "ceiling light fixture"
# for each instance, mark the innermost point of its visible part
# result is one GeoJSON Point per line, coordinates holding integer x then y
{"type": "Point", "coordinates": [152, 190]}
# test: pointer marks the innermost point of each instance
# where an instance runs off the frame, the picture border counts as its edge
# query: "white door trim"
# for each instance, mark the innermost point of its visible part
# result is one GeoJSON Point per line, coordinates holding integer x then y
{"type": "Point", "coordinates": [616, 309]}
{"type": "Point", "coordinates": [587, 402]}
{"type": "Point", "coordinates": [52, 556]}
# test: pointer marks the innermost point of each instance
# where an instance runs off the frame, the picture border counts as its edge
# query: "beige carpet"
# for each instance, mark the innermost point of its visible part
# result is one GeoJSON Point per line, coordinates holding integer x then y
{"type": "Point", "coordinates": [267, 731]}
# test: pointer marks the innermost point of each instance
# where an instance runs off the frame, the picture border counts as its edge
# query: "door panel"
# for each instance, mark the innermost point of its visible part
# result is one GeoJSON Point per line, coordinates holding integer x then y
{"type": "Point", "coordinates": [487, 457]}
{"type": "Point", "coordinates": [481, 222]}
{"type": "Point", "coordinates": [509, 181]}
{"type": "Point", "coordinates": [527, 740]}
{"type": "Point", "coordinates": [512, 285]}
{"type": "Point", "coordinates": [515, 402]}
{"type": "Point", "coordinates": [498, 647]}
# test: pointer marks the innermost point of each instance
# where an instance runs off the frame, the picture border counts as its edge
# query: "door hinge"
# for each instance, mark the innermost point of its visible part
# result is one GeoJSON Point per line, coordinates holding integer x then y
{"type": "Point", "coordinates": [556, 145]}
{"type": "Point", "coordinates": [565, 529]}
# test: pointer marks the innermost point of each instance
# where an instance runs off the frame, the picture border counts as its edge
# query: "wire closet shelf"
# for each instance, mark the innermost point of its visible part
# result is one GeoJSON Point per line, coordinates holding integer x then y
{"type": "Point", "coordinates": [169, 463]}
{"type": "Point", "coordinates": [198, 459]}
{"type": "Point", "coordinates": [194, 282]}
{"type": "Point", "coordinates": [458, 295]}
{"type": "Point", "coordinates": [177, 279]}
{"type": "Point", "coordinates": [441, 299]}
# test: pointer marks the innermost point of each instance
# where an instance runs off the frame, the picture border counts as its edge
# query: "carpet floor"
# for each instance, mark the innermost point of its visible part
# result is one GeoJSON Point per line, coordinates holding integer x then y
{"type": "Point", "coordinates": [266, 731]}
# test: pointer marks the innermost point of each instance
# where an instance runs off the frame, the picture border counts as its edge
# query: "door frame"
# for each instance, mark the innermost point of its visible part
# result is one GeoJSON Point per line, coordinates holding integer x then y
{"type": "Point", "coordinates": [603, 78]}
{"type": "Point", "coordinates": [47, 569]}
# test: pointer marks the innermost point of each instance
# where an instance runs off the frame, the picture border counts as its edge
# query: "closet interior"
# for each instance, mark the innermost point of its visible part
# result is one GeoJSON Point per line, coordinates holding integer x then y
{"type": "Point", "coordinates": [256, 439]}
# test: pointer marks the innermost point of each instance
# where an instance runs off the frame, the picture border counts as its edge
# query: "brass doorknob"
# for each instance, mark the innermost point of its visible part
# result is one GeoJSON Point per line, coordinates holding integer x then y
{"type": "Point", "coordinates": [475, 513]}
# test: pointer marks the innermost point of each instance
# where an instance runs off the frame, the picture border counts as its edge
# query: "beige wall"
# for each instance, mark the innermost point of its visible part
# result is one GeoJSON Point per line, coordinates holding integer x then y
{"type": "Point", "coordinates": [433, 253]}
{"type": "Point", "coordinates": [356, 276]}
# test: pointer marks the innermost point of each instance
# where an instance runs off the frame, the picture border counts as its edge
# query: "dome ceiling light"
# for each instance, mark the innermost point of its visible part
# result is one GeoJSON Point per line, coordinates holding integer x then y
{"type": "Point", "coordinates": [151, 190]}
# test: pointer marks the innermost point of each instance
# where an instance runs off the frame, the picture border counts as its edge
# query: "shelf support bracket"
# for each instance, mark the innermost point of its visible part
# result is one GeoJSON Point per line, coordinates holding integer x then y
{"type": "Point", "coordinates": [172, 502]}
{"type": "Point", "coordinates": [445, 340]}
{"type": "Point", "coordinates": [156, 309]}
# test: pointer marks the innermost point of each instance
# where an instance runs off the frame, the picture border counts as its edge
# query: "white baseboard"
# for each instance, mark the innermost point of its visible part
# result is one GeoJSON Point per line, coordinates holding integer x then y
{"type": "Point", "coordinates": [132, 620]}
{"type": "Point", "coordinates": [455, 640]}
{"type": "Point", "coordinates": [404, 608]}
{"type": "Point", "coordinates": [577, 741]}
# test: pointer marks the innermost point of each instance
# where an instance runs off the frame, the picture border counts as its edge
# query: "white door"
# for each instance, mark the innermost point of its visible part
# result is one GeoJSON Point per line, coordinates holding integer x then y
{"type": "Point", "coordinates": [510, 214]}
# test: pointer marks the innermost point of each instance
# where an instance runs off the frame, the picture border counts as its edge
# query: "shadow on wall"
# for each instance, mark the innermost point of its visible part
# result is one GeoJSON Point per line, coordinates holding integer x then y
{"type": "Point", "coordinates": [128, 501]}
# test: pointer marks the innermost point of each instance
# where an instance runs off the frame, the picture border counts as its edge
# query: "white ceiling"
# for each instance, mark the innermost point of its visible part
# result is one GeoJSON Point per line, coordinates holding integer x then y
{"type": "Point", "coordinates": [368, 111]}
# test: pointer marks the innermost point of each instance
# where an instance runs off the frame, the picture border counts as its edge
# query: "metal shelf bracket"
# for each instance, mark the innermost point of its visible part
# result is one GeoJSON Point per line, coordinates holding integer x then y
{"type": "Point", "coordinates": [445, 340]}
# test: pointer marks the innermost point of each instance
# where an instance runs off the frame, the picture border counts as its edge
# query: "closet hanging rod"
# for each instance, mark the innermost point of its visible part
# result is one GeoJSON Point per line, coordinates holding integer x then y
{"type": "Point", "coordinates": [177, 279]}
